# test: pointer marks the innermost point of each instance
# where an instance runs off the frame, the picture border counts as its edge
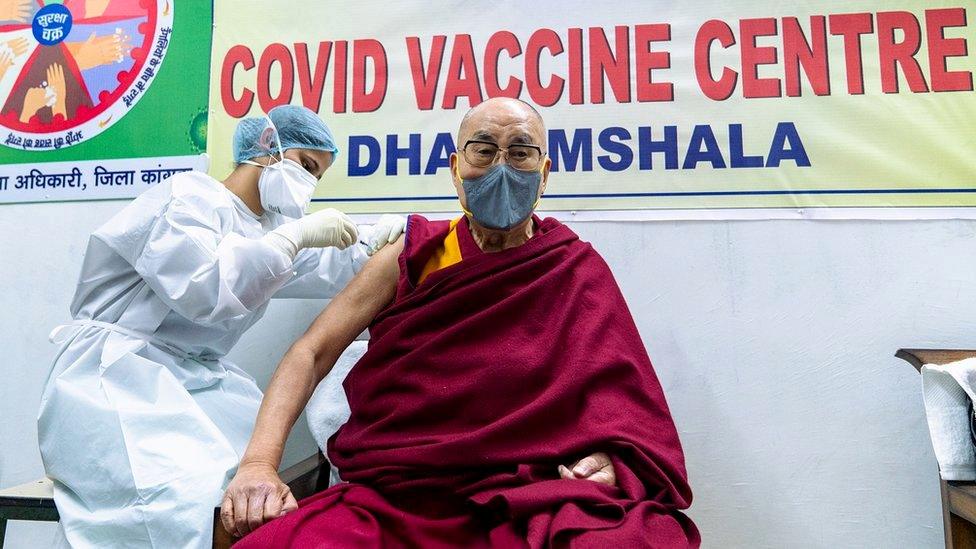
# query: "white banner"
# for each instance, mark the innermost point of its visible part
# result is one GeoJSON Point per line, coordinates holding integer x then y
{"type": "Point", "coordinates": [91, 180]}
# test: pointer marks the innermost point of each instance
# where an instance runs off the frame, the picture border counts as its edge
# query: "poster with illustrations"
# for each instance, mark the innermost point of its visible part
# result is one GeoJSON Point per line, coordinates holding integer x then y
{"type": "Point", "coordinates": [124, 77]}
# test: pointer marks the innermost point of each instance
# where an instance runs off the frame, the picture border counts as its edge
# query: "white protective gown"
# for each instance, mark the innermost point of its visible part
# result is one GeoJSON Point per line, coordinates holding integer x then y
{"type": "Point", "coordinates": [143, 422]}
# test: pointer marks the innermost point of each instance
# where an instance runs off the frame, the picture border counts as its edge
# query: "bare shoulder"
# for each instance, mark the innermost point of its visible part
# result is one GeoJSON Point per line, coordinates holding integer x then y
{"type": "Point", "coordinates": [381, 272]}
{"type": "Point", "coordinates": [356, 305]}
{"type": "Point", "coordinates": [387, 260]}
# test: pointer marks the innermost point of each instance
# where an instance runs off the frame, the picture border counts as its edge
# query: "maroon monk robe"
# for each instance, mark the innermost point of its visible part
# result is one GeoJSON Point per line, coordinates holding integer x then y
{"type": "Point", "coordinates": [478, 382]}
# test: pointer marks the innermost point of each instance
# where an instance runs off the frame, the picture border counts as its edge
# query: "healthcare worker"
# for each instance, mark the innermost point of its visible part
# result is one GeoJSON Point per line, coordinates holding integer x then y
{"type": "Point", "coordinates": [143, 421]}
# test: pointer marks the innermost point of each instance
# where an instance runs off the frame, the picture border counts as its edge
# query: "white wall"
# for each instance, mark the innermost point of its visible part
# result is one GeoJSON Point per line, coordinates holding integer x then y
{"type": "Point", "coordinates": [773, 339]}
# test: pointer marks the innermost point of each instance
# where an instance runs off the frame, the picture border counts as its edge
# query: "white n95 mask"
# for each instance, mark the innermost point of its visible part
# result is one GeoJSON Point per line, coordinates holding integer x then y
{"type": "Point", "coordinates": [286, 188]}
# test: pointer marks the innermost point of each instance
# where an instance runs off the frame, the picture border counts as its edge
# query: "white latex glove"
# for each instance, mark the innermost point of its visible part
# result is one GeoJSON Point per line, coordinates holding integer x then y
{"type": "Point", "coordinates": [386, 231]}
{"type": "Point", "coordinates": [322, 229]}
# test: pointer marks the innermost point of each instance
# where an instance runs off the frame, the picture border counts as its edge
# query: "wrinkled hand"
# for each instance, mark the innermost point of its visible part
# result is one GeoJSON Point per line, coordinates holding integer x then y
{"type": "Point", "coordinates": [55, 79]}
{"type": "Point", "coordinates": [596, 467]}
{"type": "Point", "coordinates": [15, 10]}
{"type": "Point", "coordinates": [386, 231]}
{"type": "Point", "coordinates": [254, 497]}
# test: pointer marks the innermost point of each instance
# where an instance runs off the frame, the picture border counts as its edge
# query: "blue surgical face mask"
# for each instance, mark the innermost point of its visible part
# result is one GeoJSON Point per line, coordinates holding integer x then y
{"type": "Point", "coordinates": [503, 197]}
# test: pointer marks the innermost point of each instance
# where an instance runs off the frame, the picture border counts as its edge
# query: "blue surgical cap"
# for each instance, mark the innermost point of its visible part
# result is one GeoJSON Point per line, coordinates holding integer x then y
{"type": "Point", "coordinates": [297, 127]}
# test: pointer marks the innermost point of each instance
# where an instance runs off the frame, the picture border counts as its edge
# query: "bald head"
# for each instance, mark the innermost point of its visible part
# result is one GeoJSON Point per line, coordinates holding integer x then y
{"type": "Point", "coordinates": [503, 120]}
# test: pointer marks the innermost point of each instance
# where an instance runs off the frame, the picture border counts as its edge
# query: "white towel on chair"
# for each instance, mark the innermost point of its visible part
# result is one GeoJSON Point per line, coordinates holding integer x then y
{"type": "Point", "coordinates": [948, 391]}
{"type": "Point", "coordinates": [328, 408]}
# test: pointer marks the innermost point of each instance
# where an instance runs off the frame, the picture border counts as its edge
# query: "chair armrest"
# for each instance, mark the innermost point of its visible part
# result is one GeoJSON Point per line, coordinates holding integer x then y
{"type": "Point", "coordinates": [308, 476]}
{"type": "Point", "coordinates": [29, 501]}
{"type": "Point", "coordinates": [921, 357]}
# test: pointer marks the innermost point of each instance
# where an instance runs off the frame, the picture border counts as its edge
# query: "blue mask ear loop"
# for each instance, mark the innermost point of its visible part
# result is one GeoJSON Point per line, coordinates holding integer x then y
{"type": "Point", "coordinates": [542, 168]}
{"type": "Point", "coordinates": [457, 171]}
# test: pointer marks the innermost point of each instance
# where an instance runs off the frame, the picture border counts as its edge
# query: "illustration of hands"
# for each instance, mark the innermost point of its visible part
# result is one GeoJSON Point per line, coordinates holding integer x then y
{"type": "Point", "coordinates": [101, 50]}
{"type": "Point", "coordinates": [15, 10]}
{"type": "Point", "coordinates": [6, 61]}
{"type": "Point", "coordinates": [9, 51]}
{"type": "Point", "coordinates": [57, 88]}
{"type": "Point", "coordinates": [51, 93]}
{"type": "Point", "coordinates": [16, 47]}
{"type": "Point", "coordinates": [35, 100]}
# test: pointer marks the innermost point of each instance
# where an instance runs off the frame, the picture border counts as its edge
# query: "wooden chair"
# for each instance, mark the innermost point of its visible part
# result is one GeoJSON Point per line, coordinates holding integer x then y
{"type": "Point", "coordinates": [35, 500]}
{"type": "Point", "coordinates": [958, 497]}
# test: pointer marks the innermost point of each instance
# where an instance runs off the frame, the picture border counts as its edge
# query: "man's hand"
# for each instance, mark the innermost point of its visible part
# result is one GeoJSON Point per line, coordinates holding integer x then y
{"type": "Point", "coordinates": [596, 467]}
{"type": "Point", "coordinates": [255, 496]}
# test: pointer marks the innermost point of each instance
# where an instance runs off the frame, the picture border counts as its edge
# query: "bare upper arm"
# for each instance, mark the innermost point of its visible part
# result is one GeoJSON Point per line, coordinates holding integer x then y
{"type": "Point", "coordinates": [352, 310]}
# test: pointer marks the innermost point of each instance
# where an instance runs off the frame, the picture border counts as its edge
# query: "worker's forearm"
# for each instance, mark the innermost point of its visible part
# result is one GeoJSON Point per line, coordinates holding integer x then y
{"type": "Point", "coordinates": [289, 391]}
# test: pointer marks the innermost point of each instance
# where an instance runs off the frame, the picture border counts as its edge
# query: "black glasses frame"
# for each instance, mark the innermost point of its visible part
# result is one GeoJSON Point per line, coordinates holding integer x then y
{"type": "Point", "coordinates": [464, 150]}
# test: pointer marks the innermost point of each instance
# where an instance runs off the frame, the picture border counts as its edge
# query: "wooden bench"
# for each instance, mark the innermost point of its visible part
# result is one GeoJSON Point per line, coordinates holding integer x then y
{"type": "Point", "coordinates": [958, 497]}
{"type": "Point", "coordinates": [35, 500]}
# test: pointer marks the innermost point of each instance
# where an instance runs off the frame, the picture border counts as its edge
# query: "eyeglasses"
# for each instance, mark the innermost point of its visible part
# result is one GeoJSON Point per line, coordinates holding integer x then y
{"type": "Point", "coordinates": [482, 154]}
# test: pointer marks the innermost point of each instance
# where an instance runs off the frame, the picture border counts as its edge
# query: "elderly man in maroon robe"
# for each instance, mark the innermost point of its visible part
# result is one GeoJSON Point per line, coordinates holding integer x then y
{"type": "Point", "coordinates": [501, 351]}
